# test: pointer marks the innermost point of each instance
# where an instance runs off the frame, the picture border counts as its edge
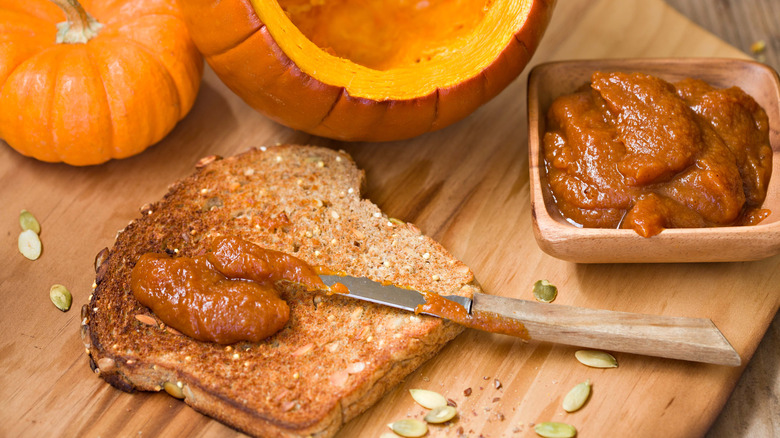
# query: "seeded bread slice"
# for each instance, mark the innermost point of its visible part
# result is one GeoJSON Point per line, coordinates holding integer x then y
{"type": "Point", "coordinates": [336, 356]}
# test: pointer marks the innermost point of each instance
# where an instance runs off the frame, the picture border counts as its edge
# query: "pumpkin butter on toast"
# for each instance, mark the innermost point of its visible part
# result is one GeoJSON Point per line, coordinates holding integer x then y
{"type": "Point", "coordinates": [335, 356]}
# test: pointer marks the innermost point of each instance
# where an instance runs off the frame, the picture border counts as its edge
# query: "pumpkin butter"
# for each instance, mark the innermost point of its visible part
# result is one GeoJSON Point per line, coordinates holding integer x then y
{"type": "Point", "coordinates": [634, 151]}
{"type": "Point", "coordinates": [229, 294]}
{"type": "Point", "coordinates": [225, 296]}
{"type": "Point", "coordinates": [491, 322]}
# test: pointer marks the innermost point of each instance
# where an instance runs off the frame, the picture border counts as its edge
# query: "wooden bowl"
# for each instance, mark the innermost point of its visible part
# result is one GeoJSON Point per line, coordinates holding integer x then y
{"type": "Point", "coordinates": [563, 240]}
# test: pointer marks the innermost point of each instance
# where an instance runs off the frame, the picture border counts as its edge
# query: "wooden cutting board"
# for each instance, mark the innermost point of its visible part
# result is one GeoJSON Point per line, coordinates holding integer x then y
{"type": "Point", "coordinates": [466, 186]}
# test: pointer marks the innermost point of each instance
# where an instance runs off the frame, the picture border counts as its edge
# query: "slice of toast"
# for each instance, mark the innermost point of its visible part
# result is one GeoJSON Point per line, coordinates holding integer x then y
{"type": "Point", "coordinates": [336, 356]}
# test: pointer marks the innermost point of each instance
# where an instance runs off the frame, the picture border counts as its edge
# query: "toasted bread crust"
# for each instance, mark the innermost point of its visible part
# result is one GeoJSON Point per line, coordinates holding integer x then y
{"type": "Point", "coordinates": [336, 356]}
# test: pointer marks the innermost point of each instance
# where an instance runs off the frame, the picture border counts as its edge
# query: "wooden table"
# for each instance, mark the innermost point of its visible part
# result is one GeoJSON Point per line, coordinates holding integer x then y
{"type": "Point", "coordinates": [754, 407]}
{"type": "Point", "coordinates": [467, 186]}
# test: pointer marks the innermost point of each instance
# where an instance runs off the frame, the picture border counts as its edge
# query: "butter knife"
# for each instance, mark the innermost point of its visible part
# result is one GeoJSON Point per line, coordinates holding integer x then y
{"type": "Point", "coordinates": [691, 339]}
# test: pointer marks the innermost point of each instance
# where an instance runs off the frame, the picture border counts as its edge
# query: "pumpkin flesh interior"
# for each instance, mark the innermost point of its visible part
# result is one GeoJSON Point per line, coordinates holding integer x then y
{"type": "Point", "coordinates": [385, 34]}
{"type": "Point", "coordinates": [392, 49]}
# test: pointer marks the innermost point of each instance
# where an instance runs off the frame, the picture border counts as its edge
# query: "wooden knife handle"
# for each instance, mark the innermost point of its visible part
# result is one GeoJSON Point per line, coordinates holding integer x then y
{"type": "Point", "coordinates": [692, 339]}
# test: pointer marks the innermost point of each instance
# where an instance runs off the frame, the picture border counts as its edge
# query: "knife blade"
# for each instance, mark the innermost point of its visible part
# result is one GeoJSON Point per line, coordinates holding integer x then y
{"type": "Point", "coordinates": [683, 338]}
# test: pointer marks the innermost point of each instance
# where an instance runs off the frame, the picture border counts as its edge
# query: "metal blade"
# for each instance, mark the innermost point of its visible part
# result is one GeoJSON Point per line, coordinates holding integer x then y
{"type": "Point", "coordinates": [368, 290]}
{"type": "Point", "coordinates": [694, 339]}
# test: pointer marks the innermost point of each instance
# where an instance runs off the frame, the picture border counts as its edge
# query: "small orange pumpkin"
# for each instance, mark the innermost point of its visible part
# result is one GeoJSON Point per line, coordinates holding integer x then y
{"type": "Point", "coordinates": [367, 70]}
{"type": "Point", "coordinates": [99, 88]}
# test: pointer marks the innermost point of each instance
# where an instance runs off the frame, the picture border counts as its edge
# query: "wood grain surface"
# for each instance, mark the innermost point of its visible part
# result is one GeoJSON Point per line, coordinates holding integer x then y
{"type": "Point", "coordinates": [753, 26]}
{"type": "Point", "coordinates": [466, 186]}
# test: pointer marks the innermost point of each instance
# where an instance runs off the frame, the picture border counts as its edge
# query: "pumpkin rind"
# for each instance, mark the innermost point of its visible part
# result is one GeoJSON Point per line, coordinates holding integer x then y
{"type": "Point", "coordinates": [248, 59]}
{"type": "Point", "coordinates": [111, 97]}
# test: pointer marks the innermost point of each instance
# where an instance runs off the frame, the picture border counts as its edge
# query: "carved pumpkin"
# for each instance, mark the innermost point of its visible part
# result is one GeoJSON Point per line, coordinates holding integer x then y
{"type": "Point", "coordinates": [100, 88]}
{"type": "Point", "coordinates": [367, 70]}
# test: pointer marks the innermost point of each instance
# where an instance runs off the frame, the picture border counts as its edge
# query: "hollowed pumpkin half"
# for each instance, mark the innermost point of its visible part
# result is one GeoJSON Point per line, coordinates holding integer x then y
{"type": "Point", "coordinates": [373, 71]}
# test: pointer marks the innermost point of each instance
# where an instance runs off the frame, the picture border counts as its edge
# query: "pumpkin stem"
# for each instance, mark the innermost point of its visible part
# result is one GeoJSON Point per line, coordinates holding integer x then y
{"type": "Point", "coordinates": [80, 27]}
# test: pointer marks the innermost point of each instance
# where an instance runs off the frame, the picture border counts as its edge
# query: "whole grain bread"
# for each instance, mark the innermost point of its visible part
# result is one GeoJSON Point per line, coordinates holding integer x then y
{"type": "Point", "coordinates": [336, 356]}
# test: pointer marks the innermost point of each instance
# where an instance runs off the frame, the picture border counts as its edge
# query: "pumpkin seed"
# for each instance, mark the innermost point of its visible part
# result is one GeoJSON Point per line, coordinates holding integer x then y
{"type": "Point", "coordinates": [173, 389]}
{"type": "Point", "coordinates": [544, 291]}
{"type": "Point", "coordinates": [29, 244]}
{"type": "Point", "coordinates": [101, 258]}
{"type": "Point", "coordinates": [553, 429]}
{"type": "Point", "coordinates": [145, 319]}
{"type": "Point", "coordinates": [60, 296]}
{"type": "Point", "coordinates": [596, 359]}
{"type": "Point", "coordinates": [577, 397]}
{"type": "Point", "coordinates": [409, 428]}
{"type": "Point", "coordinates": [441, 414]}
{"type": "Point", "coordinates": [428, 399]}
{"type": "Point", "coordinates": [28, 222]}
{"type": "Point", "coordinates": [106, 364]}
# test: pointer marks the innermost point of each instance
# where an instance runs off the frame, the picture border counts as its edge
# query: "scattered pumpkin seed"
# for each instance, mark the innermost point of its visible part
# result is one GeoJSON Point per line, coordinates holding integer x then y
{"type": "Point", "coordinates": [61, 297]}
{"type": "Point", "coordinates": [596, 359]}
{"type": "Point", "coordinates": [552, 429]}
{"type": "Point", "coordinates": [29, 244]}
{"type": "Point", "coordinates": [409, 427]}
{"type": "Point", "coordinates": [577, 397]}
{"type": "Point", "coordinates": [28, 222]}
{"type": "Point", "coordinates": [441, 414]}
{"type": "Point", "coordinates": [758, 46]}
{"type": "Point", "coordinates": [544, 291]}
{"type": "Point", "coordinates": [428, 399]}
